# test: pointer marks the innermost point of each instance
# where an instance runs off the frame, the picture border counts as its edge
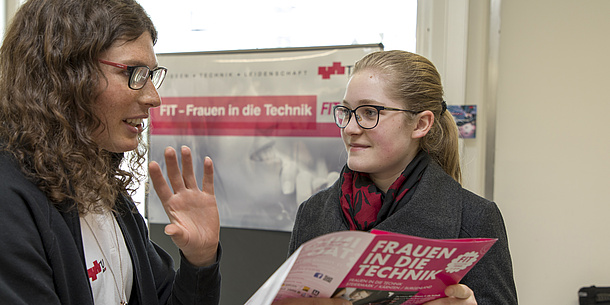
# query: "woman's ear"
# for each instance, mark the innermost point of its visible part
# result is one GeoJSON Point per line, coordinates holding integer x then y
{"type": "Point", "coordinates": [423, 124]}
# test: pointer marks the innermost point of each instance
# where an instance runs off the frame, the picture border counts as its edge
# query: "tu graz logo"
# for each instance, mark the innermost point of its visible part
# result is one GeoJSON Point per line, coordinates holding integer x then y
{"type": "Point", "coordinates": [336, 68]}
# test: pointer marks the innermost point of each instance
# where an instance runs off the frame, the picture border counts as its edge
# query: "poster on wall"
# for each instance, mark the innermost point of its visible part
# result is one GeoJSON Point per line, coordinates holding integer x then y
{"type": "Point", "coordinates": [264, 117]}
{"type": "Point", "coordinates": [465, 117]}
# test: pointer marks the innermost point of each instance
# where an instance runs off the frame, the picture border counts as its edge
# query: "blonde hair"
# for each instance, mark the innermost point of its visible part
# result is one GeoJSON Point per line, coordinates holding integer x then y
{"type": "Point", "coordinates": [414, 80]}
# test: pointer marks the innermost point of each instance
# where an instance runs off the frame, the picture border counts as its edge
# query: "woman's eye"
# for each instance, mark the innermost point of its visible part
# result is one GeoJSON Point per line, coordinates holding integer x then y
{"type": "Point", "coordinates": [370, 113]}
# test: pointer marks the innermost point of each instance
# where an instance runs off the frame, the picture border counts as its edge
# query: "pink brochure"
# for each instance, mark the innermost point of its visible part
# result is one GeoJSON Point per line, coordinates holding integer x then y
{"type": "Point", "coordinates": [373, 268]}
{"type": "Point", "coordinates": [402, 269]}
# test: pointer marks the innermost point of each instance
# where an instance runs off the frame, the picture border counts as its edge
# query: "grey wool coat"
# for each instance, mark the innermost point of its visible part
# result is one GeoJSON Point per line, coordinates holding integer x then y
{"type": "Point", "coordinates": [441, 209]}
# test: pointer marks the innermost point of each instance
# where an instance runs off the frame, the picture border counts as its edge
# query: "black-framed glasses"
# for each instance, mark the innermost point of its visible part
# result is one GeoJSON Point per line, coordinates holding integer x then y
{"type": "Point", "coordinates": [138, 75]}
{"type": "Point", "coordinates": [367, 116]}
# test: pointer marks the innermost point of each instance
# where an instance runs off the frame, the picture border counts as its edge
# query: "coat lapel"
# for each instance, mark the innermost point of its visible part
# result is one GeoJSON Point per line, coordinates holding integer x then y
{"type": "Point", "coordinates": [434, 211]}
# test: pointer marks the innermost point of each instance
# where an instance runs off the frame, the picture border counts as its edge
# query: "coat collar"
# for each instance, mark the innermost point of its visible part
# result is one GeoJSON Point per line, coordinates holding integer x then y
{"type": "Point", "coordinates": [434, 205]}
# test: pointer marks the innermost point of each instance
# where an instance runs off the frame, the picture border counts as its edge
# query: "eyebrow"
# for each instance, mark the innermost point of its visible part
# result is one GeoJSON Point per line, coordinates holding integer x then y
{"type": "Point", "coordinates": [140, 63]}
{"type": "Point", "coordinates": [362, 102]}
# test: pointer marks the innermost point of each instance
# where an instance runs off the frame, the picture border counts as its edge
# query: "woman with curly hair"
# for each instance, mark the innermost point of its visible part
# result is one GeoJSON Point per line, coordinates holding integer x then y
{"type": "Point", "coordinates": [77, 80]}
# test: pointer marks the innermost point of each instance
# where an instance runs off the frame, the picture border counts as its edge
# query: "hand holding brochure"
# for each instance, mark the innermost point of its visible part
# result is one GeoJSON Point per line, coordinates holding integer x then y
{"type": "Point", "coordinates": [373, 268]}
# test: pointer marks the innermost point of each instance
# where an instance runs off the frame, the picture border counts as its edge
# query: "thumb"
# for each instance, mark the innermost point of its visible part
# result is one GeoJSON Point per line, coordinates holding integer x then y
{"type": "Point", "coordinates": [458, 291]}
{"type": "Point", "coordinates": [171, 229]}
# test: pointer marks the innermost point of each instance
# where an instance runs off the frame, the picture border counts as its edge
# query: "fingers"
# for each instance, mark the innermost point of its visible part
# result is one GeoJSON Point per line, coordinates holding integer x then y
{"type": "Point", "coordinates": [208, 176]}
{"type": "Point", "coordinates": [179, 178]}
{"type": "Point", "coordinates": [188, 174]}
{"type": "Point", "coordinates": [172, 230]}
{"type": "Point", "coordinates": [458, 291]}
{"type": "Point", "coordinates": [173, 170]}
{"type": "Point", "coordinates": [159, 183]}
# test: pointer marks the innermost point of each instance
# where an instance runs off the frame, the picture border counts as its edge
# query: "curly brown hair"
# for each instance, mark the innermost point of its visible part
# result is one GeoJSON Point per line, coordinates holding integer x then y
{"type": "Point", "coordinates": [414, 80]}
{"type": "Point", "coordinates": [49, 75]}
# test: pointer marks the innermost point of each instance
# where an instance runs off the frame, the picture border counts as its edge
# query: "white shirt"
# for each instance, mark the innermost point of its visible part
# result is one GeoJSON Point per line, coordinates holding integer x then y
{"type": "Point", "coordinates": [110, 270]}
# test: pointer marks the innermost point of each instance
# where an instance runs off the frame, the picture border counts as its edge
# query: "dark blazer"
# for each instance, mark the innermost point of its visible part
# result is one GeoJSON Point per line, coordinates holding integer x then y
{"type": "Point", "coordinates": [440, 208]}
{"type": "Point", "coordinates": [42, 259]}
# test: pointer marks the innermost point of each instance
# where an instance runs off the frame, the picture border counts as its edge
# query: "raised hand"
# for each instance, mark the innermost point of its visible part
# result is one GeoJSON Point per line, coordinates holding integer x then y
{"type": "Point", "coordinates": [194, 224]}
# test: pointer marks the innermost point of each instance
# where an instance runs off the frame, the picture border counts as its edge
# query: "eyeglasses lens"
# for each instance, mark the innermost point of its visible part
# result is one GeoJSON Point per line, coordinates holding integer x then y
{"type": "Point", "coordinates": [138, 77]}
{"type": "Point", "coordinates": [366, 116]}
{"type": "Point", "coordinates": [342, 116]}
{"type": "Point", "coordinates": [158, 77]}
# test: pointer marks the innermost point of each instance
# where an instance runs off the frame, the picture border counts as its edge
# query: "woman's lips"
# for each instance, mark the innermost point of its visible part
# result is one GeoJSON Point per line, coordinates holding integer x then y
{"type": "Point", "coordinates": [134, 122]}
{"type": "Point", "coordinates": [137, 124]}
{"type": "Point", "coordinates": [357, 146]}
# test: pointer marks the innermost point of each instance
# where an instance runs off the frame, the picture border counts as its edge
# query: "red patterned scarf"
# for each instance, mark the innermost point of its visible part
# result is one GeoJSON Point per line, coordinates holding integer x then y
{"type": "Point", "coordinates": [364, 205]}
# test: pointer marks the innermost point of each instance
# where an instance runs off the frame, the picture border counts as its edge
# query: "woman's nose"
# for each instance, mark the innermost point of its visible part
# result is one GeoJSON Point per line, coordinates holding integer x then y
{"type": "Point", "coordinates": [150, 96]}
{"type": "Point", "coordinates": [353, 126]}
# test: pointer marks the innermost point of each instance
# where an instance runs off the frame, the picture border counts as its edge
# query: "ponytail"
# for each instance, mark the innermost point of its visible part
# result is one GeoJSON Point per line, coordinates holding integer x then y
{"type": "Point", "coordinates": [441, 143]}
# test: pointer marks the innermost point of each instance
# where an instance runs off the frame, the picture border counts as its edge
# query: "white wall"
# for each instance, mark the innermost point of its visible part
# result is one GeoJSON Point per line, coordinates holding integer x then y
{"type": "Point", "coordinates": [552, 170]}
{"type": "Point", "coordinates": [538, 71]}
{"type": "Point", "coordinates": [443, 36]}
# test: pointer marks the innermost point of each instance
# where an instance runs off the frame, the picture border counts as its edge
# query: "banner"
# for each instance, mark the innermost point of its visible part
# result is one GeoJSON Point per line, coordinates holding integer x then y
{"type": "Point", "coordinates": [264, 117]}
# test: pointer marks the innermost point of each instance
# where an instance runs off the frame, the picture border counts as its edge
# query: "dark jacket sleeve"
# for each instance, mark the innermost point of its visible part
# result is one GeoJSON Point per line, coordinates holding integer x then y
{"type": "Point", "coordinates": [202, 282]}
{"type": "Point", "coordinates": [188, 285]}
{"type": "Point", "coordinates": [492, 278]}
{"type": "Point", "coordinates": [23, 255]}
{"type": "Point", "coordinates": [320, 214]}
{"type": "Point", "coordinates": [39, 260]}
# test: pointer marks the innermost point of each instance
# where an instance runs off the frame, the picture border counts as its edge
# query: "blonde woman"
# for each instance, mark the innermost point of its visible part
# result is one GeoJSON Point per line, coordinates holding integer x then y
{"type": "Point", "coordinates": [403, 173]}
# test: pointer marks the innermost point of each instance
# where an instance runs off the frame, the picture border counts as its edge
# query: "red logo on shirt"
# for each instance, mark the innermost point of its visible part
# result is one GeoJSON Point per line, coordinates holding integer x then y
{"type": "Point", "coordinates": [98, 267]}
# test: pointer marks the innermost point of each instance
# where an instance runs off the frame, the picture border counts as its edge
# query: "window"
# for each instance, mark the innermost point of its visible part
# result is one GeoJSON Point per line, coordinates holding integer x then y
{"type": "Point", "coordinates": [195, 25]}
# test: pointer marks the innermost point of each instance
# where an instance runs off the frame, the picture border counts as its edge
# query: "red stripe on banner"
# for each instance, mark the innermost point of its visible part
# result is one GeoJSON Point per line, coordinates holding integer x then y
{"type": "Point", "coordinates": [240, 116]}
{"type": "Point", "coordinates": [320, 130]}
